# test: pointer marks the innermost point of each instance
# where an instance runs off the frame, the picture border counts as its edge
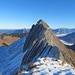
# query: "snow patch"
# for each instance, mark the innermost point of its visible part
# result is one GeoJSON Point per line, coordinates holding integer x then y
{"type": "Point", "coordinates": [50, 66]}
{"type": "Point", "coordinates": [66, 43]}
{"type": "Point", "coordinates": [60, 35]}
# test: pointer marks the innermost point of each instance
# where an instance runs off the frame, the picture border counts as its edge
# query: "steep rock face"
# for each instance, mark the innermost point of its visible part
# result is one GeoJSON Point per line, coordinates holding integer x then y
{"type": "Point", "coordinates": [42, 42]}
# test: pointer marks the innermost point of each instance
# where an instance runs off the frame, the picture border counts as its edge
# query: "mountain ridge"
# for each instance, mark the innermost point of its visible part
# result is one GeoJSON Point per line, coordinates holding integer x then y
{"type": "Point", "coordinates": [41, 39]}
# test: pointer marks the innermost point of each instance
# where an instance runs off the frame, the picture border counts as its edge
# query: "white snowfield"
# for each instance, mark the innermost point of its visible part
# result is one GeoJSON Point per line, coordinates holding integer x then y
{"type": "Point", "coordinates": [50, 66]}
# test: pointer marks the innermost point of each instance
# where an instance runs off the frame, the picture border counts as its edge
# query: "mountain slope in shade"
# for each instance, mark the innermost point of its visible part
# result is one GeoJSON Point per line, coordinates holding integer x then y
{"type": "Point", "coordinates": [70, 38]}
{"type": "Point", "coordinates": [11, 57]}
{"type": "Point", "coordinates": [42, 42]}
{"type": "Point", "coordinates": [71, 47]}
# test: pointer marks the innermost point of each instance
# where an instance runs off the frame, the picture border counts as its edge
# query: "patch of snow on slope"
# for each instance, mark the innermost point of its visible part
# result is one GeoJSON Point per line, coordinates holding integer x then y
{"type": "Point", "coordinates": [50, 66]}
{"type": "Point", "coordinates": [66, 43]}
{"type": "Point", "coordinates": [12, 62]}
{"type": "Point", "coordinates": [60, 35]}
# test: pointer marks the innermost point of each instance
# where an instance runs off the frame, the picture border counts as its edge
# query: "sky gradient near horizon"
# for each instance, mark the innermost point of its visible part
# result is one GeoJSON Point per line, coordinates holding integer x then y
{"type": "Point", "coordinates": [18, 14]}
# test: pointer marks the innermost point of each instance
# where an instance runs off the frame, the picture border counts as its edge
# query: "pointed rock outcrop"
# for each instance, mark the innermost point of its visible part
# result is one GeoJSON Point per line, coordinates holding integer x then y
{"type": "Point", "coordinates": [42, 42]}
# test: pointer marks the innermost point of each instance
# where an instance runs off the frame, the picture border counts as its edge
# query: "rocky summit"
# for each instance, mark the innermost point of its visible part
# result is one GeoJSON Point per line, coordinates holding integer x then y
{"type": "Point", "coordinates": [42, 42]}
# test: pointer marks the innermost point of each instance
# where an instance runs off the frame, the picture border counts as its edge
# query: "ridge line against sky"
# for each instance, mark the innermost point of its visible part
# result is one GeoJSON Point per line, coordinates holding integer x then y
{"type": "Point", "coordinates": [18, 14]}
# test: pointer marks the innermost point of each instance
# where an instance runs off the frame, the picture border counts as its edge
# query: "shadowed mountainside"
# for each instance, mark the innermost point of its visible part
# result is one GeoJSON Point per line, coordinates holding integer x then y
{"type": "Point", "coordinates": [71, 47]}
{"type": "Point", "coordinates": [70, 38]}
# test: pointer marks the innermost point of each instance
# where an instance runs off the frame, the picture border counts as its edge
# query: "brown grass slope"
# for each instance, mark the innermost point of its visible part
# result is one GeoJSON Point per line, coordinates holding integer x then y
{"type": "Point", "coordinates": [7, 40]}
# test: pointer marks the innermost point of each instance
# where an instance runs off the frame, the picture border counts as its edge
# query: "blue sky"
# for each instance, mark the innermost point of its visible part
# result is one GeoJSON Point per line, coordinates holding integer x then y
{"type": "Point", "coordinates": [17, 14]}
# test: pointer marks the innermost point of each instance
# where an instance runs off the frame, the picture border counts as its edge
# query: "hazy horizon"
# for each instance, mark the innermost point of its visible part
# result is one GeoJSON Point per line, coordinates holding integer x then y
{"type": "Point", "coordinates": [11, 28]}
{"type": "Point", "coordinates": [19, 14]}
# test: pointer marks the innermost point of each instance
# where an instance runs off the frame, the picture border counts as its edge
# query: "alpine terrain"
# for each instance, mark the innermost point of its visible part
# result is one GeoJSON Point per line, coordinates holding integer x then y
{"type": "Point", "coordinates": [39, 53]}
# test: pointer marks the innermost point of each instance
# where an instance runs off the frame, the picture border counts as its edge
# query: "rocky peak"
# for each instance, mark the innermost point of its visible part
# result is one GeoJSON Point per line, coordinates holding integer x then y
{"type": "Point", "coordinates": [42, 42]}
{"type": "Point", "coordinates": [41, 22]}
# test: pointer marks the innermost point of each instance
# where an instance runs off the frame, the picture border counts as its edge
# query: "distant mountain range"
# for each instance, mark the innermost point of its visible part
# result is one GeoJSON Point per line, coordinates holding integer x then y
{"type": "Point", "coordinates": [11, 31]}
{"type": "Point", "coordinates": [56, 31]}
{"type": "Point", "coordinates": [63, 30]}
{"type": "Point", "coordinates": [7, 37]}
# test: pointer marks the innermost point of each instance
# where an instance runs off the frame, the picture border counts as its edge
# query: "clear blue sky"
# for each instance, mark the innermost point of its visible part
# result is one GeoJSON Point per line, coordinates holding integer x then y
{"type": "Point", "coordinates": [24, 13]}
